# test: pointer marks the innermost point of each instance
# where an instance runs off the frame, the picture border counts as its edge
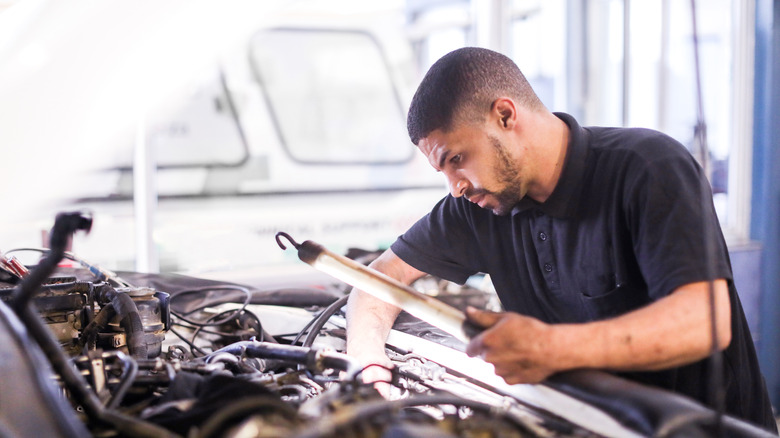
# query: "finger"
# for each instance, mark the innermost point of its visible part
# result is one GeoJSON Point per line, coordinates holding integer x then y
{"type": "Point", "coordinates": [476, 347]}
{"type": "Point", "coordinates": [377, 373]}
{"type": "Point", "coordinates": [383, 388]}
{"type": "Point", "coordinates": [380, 375]}
{"type": "Point", "coordinates": [482, 318]}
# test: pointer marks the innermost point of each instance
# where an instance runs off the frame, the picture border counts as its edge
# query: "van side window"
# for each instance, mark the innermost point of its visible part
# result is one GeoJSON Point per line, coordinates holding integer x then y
{"type": "Point", "coordinates": [331, 96]}
{"type": "Point", "coordinates": [198, 129]}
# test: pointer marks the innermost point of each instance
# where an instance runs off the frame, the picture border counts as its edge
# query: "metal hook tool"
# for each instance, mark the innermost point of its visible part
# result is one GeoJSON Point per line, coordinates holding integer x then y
{"type": "Point", "coordinates": [292, 241]}
{"type": "Point", "coordinates": [386, 288]}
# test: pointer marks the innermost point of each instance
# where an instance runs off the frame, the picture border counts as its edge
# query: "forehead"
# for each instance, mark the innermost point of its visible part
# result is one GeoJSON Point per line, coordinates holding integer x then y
{"type": "Point", "coordinates": [435, 145]}
{"type": "Point", "coordinates": [460, 135]}
{"type": "Point", "coordinates": [434, 140]}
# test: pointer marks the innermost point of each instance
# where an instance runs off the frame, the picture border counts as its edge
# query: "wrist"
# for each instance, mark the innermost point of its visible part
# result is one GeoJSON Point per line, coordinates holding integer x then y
{"type": "Point", "coordinates": [571, 346]}
{"type": "Point", "coordinates": [367, 350]}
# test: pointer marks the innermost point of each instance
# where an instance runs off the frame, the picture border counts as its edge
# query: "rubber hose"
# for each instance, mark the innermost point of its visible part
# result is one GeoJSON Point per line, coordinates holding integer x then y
{"type": "Point", "coordinates": [101, 320]}
{"type": "Point", "coordinates": [64, 225]}
{"type": "Point", "coordinates": [81, 392]}
{"type": "Point", "coordinates": [130, 320]}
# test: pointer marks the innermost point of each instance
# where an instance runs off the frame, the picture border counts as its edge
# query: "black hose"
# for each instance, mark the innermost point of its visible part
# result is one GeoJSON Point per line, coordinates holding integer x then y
{"type": "Point", "coordinates": [131, 371]}
{"type": "Point", "coordinates": [130, 320]}
{"type": "Point", "coordinates": [304, 330]}
{"type": "Point", "coordinates": [341, 362]}
{"type": "Point", "coordinates": [79, 390]}
{"type": "Point", "coordinates": [88, 338]}
{"type": "Point", "coordinates": [322, 319]}
{"type": "Point", "coordinates": [268, 350]}
{"type": "Point", "coordinates": [308, 356]}
{"type": "Point", "coordinates": [119, 303]}
{"type": "Point", "coordinates": [65, 225]}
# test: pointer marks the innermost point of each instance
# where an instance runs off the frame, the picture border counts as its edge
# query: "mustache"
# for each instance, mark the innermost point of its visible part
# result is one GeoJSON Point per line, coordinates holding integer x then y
{"type": "Point", "coordinates": [471, 194]}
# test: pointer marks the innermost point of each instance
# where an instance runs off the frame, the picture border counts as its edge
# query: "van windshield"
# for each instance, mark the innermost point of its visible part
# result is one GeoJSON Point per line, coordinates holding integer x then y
{"type": "Point", "coordinates": [331, 96]}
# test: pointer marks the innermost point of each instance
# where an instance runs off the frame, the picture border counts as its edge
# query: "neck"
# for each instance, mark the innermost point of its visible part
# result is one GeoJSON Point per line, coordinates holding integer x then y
{"type": "Point", "coordinates": [553, 142]}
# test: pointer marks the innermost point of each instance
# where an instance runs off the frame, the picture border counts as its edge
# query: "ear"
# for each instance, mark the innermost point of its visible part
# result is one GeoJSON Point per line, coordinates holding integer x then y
{"type": "Point", "coordinates": [504, 111]}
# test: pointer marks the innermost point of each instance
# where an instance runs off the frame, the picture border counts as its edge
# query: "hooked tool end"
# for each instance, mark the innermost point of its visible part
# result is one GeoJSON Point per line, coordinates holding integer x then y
{"type": "Point", "coordinates": [292, 241]}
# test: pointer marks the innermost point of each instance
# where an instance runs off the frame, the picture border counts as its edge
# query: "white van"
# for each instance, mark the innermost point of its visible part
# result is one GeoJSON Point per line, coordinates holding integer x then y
{"type": "Point", "coordinates": [299, 129]}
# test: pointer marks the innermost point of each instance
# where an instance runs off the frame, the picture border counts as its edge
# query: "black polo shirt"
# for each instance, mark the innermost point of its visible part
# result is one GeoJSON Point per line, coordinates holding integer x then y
{"type": "Point", "coordinates": [630, 220]}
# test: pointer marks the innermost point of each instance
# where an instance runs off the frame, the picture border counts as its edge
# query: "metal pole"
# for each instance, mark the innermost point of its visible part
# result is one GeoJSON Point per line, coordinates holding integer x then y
{"type": "Point", "coordinates": [144, 201]}
{"type": "Point", "coordinates": [490, 20]}
{"type": "Point", "coordinates": [663, 67]}
{"type": "Point", "coordinates": [576, 57]}
{"type": "Point", "coordinates": [626, 57]}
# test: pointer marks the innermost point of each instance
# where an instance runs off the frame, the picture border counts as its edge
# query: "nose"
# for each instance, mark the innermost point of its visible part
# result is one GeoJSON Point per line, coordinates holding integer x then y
{"type": "Point", "coordinates": [458, 187]}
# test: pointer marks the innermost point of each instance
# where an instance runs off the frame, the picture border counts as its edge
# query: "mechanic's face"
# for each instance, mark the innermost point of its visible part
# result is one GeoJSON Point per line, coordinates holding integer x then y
{"type": "Point", "coordinates": [477, 166]}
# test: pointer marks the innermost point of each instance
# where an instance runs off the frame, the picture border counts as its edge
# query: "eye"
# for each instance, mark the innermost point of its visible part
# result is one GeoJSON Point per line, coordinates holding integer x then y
{"type": "Point", "coordinates": [456, 159]}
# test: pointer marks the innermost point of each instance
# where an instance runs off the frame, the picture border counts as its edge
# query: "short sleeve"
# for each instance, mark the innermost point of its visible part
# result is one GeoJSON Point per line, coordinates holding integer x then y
{"type": "Point", "coordinates": [441, 243]}
{"type": "Point", "coordinates": [671, 216]}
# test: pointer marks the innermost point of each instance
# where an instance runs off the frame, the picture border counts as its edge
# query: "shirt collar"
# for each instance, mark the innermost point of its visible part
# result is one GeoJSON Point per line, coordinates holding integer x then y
{"type": "Point", "coordinates": [563, 201]}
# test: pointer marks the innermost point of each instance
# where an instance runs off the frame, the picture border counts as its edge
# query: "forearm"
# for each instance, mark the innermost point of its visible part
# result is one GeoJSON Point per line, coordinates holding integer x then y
{"type": "Point", "coordinates": [670, 332]}
{"type": "Point", "coordinates": [369, 321]}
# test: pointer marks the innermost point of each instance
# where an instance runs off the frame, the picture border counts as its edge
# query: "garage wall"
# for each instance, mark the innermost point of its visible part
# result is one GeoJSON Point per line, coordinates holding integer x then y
{"type": "Point", "coordinates": [765, 203]}
{"type": "Point", "coordinates": [746, 265]}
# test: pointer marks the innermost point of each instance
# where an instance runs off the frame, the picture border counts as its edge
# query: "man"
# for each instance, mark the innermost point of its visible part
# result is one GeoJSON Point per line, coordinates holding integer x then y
{"type": "Point", "coordinates": [600, 242]}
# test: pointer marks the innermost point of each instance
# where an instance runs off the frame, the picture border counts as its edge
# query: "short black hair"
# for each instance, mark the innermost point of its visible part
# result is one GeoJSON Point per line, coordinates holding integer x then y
{"type": "Point", "coordinates": [462, 86]}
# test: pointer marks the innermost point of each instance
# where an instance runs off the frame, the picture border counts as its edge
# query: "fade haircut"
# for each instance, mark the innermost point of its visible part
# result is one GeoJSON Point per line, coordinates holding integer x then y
{"type": "Point", "coordinates": [462, 86]}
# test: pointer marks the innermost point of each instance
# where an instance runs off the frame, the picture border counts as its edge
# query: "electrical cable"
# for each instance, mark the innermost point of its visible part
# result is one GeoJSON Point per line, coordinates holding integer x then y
{"type": "Point", "coordinates": [73, 381]}
{"type": "Point", "coordinates": [100, 273]}
{"type": "Point", "coordinates": [235, 312]}
{"type": "Point", "coordinates": [323, 318]}
{"type": "Point", "coordinates": [287, 335]}
{"type": "Point", "coordinates": [717, 394]}
{"type": "Point", "coordinates": [199, 325]}
{"type": "Point", "coordinates": [204, 330]}
{"type": "Point", "coordinates": [234, 317]}
{"type": "Point", "coordinates": [314, 326]}
{"type": "Point", "coordinates": [304, 330]}
{"type": "Point", "coordinates": [193, 347]}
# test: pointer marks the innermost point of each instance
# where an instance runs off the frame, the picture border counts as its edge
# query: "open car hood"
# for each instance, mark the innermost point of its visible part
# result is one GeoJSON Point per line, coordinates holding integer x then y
{"type": "Point", "coordinates": [249, 375]}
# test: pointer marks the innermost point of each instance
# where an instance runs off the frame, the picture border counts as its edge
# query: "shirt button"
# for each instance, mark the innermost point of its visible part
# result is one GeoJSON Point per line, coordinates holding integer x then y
{"type": "Point", "coordinates": [548, 267]}
{"type": "Point", "coordinates": [542, 236]}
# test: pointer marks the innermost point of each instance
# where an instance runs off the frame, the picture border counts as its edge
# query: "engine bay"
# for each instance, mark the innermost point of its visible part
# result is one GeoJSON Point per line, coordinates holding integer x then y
{"type": "Point", "coordinates": [89, 352]}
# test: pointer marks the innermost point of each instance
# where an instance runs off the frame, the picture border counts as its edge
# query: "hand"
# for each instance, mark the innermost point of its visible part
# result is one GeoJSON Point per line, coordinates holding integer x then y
{"type": "Point", "coordinates": [517, 345]}
{"type": "Point", "coordinates": [378, 372]}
